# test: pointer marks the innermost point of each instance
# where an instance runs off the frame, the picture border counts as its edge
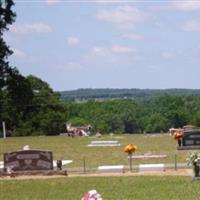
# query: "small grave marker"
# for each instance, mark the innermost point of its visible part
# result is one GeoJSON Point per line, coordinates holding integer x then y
{"type": "Point", "coordinates": [111, 168]}
{"type": "Point", "coordinates": [102, 143]}
{"type": "Point", "coordinates": [148, 156]}
{"type": "Point", "coordinates": [152, 167]}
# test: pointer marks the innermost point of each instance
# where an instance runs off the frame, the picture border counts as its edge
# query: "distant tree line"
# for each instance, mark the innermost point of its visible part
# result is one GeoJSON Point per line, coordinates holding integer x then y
{"type": "Point", "coordinates": [109, 94]}
{"type": "Point", "coordinates": [131, 116]}
{"type": "Point", "coordinates": [46, 114]}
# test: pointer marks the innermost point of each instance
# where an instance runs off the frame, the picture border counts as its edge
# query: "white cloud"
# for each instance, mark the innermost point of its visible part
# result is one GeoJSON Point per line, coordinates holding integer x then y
{"type": "Point", "coordinates": [18, 53]}
{"type": "Point", "coordinates": [73, 41]}
{"type": "Point", "coordinates": [191, 26]}
{"type": "Point", "coordinates": [186, 5]}
{"type": "Point", "coordinates": [133, 37]}
{"type": "Point", "coordinates": [99, 56]}
{"type": "Point", "coordinates": [107, 55]}
{"type": "Point", "coordinates": [121, 15]}
{"type": "Point", "coordinates": [115, 49]}
{"type": "Point", "coordinates": [100, 51]}
{"type": "Point", "coordinates": [31, 28]}
{"type": "Point", "coordinates": [53, 2]}
{"type": "Point", "coordinates": [121, 49]}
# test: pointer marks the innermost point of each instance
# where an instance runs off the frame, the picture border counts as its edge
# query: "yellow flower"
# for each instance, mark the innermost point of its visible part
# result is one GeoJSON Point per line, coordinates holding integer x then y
{"type": "Point", "coordinates": [178, 135]}
{"type": "Point", "coordinates": [130, 148]}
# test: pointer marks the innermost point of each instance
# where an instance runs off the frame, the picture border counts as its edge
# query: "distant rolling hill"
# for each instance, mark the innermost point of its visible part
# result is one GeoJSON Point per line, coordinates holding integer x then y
{"type": "Point", "coordinates": [108, 94]}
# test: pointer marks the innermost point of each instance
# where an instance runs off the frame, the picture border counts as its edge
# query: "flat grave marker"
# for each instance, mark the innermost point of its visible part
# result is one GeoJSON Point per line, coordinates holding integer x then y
{"type": "Point", "coordinates": [151, 167]}
{"type": "Point", "coordinates": [104, 143]}
{"type": "Point", "coordinates": [148, 156]}
{"type": "Point", "coordinates": [111, 168]}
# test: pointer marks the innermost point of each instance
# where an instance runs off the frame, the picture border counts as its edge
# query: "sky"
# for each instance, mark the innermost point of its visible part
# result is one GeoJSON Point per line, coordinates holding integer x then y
{"type": "Point", "coordinates": [107, 44]}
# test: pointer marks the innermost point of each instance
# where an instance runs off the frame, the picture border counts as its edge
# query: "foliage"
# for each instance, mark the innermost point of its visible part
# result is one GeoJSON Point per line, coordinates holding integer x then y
{"type": "Point", "coordinates": [7, 17]}
{"type": "Point", "coordinates": [45, 113]}
{"type": "Point", "coordinates": [110, 94]}
{"type": "Point", "coordinates": [135, 116]}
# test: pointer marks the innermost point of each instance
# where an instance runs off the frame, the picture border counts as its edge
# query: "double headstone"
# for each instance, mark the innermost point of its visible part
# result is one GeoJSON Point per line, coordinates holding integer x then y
{"type": "Point", "coordinates": [28, 160]}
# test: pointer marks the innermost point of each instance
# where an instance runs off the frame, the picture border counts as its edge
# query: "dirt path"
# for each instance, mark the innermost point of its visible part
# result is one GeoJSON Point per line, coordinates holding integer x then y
{"type": "Point", "coordinates": [169, 172]}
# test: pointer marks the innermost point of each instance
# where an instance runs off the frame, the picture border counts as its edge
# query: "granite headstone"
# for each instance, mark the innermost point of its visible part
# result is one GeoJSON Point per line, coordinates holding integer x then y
{"type": "Point", "coordinates": [28, 160]}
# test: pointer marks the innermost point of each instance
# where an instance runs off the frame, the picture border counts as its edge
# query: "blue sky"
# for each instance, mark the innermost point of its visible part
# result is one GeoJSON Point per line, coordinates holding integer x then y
{"type": "Point", "coordinates": [107, 44]}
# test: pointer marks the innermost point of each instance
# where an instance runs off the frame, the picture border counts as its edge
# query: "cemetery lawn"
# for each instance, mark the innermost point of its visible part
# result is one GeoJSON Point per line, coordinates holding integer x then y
{"type": "Point", "coordinates": [76, 149]}
{"type": "Point", "coordinates": [111, 188]}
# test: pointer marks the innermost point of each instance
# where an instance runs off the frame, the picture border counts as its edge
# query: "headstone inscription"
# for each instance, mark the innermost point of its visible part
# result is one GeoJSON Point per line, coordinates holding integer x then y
{"type": "Point", "coordinates": [191, 139]}
{"type": "Point", "coordinates": [26, 160]}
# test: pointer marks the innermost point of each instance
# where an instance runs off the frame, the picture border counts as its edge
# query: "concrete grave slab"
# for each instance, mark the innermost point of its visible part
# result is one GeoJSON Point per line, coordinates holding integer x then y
{"type": "Point", "coordinates": [151, 167]}
{"type": "Point", "coordinates": [148, 156]}
{"type": "Point", "coordinates": [104, 143]}
{"type": "Point", "coordinates": [111, 168]}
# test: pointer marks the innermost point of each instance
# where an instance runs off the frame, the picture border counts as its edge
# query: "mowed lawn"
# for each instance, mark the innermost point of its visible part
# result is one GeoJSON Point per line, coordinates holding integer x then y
{"type": "Point", "coordinates": [111, 188]}
{"type": "Point", "coordinates": [76, 149]}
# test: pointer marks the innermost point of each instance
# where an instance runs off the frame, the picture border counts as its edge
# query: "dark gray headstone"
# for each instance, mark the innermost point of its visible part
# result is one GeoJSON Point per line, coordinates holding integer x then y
{"type": "Point", "coordinates": [191, 139]}
{"type": "Point", "coordinates": [28, 160]}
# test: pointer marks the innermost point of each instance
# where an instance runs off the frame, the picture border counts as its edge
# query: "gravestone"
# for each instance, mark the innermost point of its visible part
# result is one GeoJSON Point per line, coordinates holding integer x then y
{"type": "Point", "coordinates": [190, 140]}
{"type": "Point", "coordinates": [111, 168]}
{"type": "Point", "coordinates": [101, 143]}
{"type": "Point", "coordinates": [152, 167]}
{"type": "Point", "coordinates": [26, 160]}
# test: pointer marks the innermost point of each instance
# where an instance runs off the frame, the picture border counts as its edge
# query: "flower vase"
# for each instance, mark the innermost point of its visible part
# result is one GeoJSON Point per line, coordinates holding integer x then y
{"type": "Point", "coordinates": [179, 142]}
{"type": "Point", "coordinates": [130, 161]}
{"type": "Point", "coordinates": [196, 169]}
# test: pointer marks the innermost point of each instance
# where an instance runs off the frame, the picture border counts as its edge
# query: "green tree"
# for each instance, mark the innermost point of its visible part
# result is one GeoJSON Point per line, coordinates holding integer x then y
{"type": "Point", "coordinates": [15, 90]}
{"type": "Point", "coordinates": [7, 17]}
{"type": "Point", "coordinates": [156, 123]}
{"type": "Point", "coordinates": [45, 114]}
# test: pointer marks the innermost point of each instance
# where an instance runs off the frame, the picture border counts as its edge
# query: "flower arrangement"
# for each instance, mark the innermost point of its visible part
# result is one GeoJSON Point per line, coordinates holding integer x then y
{"type": "Point", "coordinates": [194, 159]}
{"type": "Point", "coordinates": [178, 135]}
{"type": "Point", "coordinates": [130, 148]}
{"type": "Point", "coordinates": [92, 195]}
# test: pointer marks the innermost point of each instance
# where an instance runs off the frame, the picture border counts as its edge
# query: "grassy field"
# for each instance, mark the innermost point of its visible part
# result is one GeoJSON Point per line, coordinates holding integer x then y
{"type": "Point", "coordinates": [76, 149]}
{"type": "Point", "coordinates": [111, 188]}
